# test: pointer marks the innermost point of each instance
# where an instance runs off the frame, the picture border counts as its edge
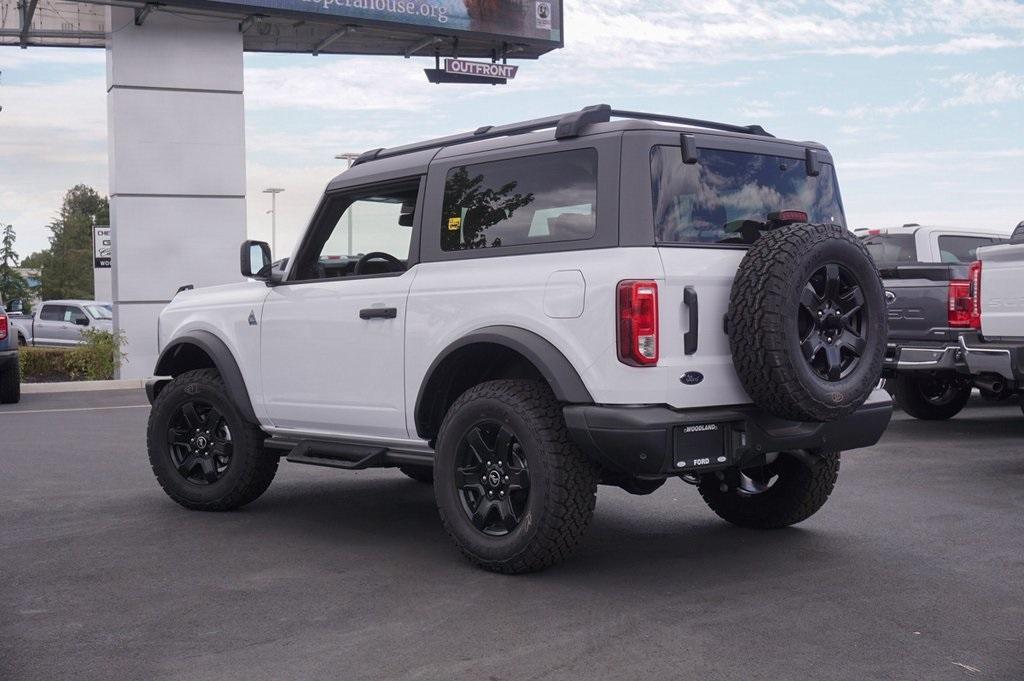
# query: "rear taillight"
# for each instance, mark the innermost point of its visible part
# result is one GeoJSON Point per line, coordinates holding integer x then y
{"type": "Point", "coordinates": [3, 326]}
{"type": "Point", "coordinates": [975, 292]}
{"type": "Point", "coordinates": [964, 310]}
{"type": "Point", "coordinates": [638, 322]}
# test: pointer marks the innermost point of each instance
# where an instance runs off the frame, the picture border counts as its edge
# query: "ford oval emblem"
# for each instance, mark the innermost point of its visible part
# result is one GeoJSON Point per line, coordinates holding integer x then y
{"type": "Point", "coordinates": [692, 377]}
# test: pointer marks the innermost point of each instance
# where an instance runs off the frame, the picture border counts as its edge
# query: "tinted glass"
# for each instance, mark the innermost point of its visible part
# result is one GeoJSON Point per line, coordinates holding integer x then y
{"type": "Point", "coordinates": [535, 199]}
{"type": "Point", "coordinates": [891, 249]}
{"type": "Point", "coordinates": [52, 313]}
{"type": "Point", "coordinates": [727, 195]}
{"type": "Point", "coordinates": [963, 249]}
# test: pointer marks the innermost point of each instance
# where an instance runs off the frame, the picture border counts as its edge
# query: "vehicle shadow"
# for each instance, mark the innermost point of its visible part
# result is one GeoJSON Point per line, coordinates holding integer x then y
{"type": "Point", "coordinates": [392, 516]}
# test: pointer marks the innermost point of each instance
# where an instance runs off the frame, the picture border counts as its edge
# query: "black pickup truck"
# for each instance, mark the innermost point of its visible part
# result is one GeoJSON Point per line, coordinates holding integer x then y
{"type": "Point", "coordinates": [929, 308]}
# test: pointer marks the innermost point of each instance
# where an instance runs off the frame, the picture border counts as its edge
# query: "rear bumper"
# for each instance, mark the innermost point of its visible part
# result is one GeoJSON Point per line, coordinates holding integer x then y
{"type": "Point", "coordinates": [923, 356]}
{"type": "Point", "coordinates": [1004, 359]}
{"type": "Point", "coordinates": [648, 440]}
{"type": "Point", "coordinates": [8, 357]}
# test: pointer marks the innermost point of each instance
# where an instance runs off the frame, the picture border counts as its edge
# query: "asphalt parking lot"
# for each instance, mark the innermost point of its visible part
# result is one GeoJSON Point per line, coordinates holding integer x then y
{"type": "Point", "coordinates": [913, 570]}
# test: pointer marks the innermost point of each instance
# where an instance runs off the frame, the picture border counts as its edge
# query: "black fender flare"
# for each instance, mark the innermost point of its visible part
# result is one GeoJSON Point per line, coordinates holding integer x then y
{"type": "Point", "coordinates": [558, 371]}
{"type": "Point", "coordinates": [223, 361]}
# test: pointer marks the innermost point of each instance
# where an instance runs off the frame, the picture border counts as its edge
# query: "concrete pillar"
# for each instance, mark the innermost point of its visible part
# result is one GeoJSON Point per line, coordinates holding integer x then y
{"type": "Point", "coordinates": [176, 136]}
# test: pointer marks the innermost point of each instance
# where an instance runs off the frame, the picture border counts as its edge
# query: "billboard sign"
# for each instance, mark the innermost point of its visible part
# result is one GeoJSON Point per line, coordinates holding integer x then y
{"type": "Point", "coordinates": [101, 248]}
{"type": "Point", "coordinates": [538, 21]}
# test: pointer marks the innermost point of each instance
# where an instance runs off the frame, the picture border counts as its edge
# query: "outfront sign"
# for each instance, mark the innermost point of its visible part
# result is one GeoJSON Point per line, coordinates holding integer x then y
{"type": "Point", "coordinates": [101, 248]}
{"type": "Point", "coordinates": [483, 69]}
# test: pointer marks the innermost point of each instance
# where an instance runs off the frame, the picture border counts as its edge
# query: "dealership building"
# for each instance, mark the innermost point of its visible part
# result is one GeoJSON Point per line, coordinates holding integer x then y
{"type": "Point", "coordinates": [175, 110]}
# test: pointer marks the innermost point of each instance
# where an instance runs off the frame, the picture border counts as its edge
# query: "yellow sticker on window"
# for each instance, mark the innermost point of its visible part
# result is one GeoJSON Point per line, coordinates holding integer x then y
{"type": "Point", "coordinates": [454, 224]}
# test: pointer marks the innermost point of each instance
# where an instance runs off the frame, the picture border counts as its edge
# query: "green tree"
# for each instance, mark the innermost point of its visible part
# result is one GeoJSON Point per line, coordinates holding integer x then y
{"type": "Point", "coordinates": [67, 265]}
{"type": "Point", "coordinates": [12, 285]}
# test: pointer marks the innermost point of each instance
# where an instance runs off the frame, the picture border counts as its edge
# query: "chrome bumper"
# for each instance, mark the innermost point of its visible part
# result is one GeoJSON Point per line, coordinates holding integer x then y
{"type": "Point", "coordinates": [988, 360]}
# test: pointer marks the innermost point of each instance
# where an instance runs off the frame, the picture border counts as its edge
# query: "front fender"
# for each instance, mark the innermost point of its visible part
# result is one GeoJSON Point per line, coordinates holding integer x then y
{"type": "Point", "coordinates": [174, 360]}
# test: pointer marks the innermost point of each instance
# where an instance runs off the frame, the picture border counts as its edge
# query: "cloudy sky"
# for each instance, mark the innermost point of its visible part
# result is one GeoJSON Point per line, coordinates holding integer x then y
{"type": "Point", "coordinates": [921, 103]}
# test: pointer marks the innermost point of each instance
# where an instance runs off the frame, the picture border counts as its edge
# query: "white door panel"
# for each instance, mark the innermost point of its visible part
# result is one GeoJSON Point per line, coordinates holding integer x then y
{"type": "Point", "coordinates": [325, 368]}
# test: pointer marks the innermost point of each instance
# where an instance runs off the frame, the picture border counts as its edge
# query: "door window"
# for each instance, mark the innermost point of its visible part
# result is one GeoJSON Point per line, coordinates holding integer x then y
{"type": "Point", "coordinates": [74, 315]}
{"type": "Point", "coordinates": [350, 227]}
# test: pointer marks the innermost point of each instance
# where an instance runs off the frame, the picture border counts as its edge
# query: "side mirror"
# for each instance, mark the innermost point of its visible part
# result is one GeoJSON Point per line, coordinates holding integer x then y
{"type": "Point", "coordinates": [1018, 234]}
{"type": "Point", "coordinates": [255, 256]}
{"type": "Point", "coordinates": [81, 321]}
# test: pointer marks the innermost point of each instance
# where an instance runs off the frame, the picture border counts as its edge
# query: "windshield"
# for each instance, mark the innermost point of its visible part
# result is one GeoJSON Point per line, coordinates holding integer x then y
{"type": "Point", "coordinates": [715, 199]}
{"type": "Point", "coordinates": [99, 311]}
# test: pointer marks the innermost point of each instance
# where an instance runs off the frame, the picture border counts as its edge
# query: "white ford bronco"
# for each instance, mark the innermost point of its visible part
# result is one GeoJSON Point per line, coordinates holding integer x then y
{"type": "Point", "coordinates": [521, 313]}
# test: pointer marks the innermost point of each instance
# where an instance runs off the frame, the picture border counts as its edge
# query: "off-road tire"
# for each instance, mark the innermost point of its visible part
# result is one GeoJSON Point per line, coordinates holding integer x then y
{"type": "Point", "coordinates": [911, 398]}
{"type": "Point", "coordinates": [423, 474]}
{"type": "Point", "coordinates": [10, 384]}
{"type": "Point", "coordinates": [563, 482]}
{"type": "Point", "coordinates": [762, 323]}
{"type": "Point", "coordinates": [251, 470]}
{"type": "Point", "coordinates": [798, 493]}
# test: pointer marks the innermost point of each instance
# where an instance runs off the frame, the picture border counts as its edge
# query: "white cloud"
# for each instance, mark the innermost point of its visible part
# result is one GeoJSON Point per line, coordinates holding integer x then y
{"type": "Point", "coordinates": [975, 88]}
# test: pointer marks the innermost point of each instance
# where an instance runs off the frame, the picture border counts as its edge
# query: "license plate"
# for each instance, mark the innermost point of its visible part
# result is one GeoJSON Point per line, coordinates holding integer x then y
{"type": "Point", "coordinates": [701, 446]}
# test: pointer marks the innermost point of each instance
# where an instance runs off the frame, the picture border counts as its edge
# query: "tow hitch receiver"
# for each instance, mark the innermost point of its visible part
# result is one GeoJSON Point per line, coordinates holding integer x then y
{"type": "Point", "coordinates": [699, 447]}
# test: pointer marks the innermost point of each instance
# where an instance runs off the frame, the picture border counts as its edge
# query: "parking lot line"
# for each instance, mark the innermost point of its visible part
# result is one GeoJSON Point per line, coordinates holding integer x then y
{"type": "Point", "coordinates": [50, 411]}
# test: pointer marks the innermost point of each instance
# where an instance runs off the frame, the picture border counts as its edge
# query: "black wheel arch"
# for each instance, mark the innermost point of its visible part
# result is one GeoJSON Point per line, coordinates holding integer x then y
{"type": "Point", "coordinates": [442, 383]}
{"type": "Point", "coordinates": [200, 350]}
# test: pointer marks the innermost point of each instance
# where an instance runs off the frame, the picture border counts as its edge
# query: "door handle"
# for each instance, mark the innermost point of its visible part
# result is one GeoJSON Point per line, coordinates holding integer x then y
{"type": "Point", "coordinates": [690, 337]}
{"type": "Point", "coordinates": [378, 313]}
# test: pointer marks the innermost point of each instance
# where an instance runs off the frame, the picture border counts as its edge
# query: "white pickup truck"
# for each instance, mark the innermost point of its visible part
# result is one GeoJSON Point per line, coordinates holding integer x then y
{"type": "Point", "coordinates": [996, 347]}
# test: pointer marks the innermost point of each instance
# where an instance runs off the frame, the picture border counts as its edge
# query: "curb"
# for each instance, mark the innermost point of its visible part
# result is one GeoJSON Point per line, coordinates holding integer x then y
{"type": "Point", "coordinates": [82, 386]}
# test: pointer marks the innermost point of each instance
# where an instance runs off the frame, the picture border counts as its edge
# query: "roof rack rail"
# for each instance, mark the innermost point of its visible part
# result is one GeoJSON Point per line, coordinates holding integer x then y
{"type": "Point", "coordinates": [566, 125]}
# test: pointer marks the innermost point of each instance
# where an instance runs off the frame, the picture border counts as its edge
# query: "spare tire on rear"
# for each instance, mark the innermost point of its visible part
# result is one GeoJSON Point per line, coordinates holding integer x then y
{"type": "Point", "coordinates": [807, 322]}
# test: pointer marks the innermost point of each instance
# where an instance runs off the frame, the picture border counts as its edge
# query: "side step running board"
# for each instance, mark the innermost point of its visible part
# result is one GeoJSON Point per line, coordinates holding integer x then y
{"type": "Point", "coordinates": [338, 455]}
{"type": "Point", "coordinates": [349, 455]}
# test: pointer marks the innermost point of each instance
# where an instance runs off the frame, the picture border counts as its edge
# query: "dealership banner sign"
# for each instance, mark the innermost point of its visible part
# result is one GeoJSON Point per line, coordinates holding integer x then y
{"type": "Point", "coordinates": [511, 20]}
{"type": "Point", "coordinates": [101, 248]}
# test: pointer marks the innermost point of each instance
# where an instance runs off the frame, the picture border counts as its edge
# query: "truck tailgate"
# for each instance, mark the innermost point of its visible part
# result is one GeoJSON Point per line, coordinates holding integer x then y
{"type": "Point", "coordinates": [917, 299]}
{"type": "Point", "coordinates": [1002, 291]}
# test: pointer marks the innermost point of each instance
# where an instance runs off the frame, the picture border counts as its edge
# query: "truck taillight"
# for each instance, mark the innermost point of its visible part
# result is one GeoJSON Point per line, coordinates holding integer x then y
{"type": "Point", "coordinates": [974, 290]}
{"type": "Point", "coordinates": [638, 322]}
{"type": "Point", "coordinates": [3, 326]}
{"type": "Point", "coordinates": [964, 310]}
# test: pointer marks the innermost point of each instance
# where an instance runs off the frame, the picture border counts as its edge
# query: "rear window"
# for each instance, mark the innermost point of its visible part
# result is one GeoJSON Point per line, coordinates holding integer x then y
{"type": "Point", "coordinates": [52, 313]}
{"type": "Point", "coordinates": [717, 199]}
{"type": "Point", "coordinates": [529, 200]}
{"type": "Point", "coordinates": [891, 249]}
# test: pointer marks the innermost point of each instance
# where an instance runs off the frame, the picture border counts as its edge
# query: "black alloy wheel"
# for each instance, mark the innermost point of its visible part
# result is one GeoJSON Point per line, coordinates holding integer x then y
{"type": "Point", "coordinates": [199, 442]}
{"type": "Point", "coordinates": [831, 323]}
{"type": "Point", "coordinates": [492, 478]}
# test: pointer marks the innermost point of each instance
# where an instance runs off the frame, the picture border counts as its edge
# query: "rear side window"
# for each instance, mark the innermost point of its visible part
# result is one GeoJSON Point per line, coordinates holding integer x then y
{"type": "Point", "coordinates": [891, 249]}
{"type": "Point", "coordinates": [963, 249]}
{"type": "Point", "coordinates": [727, 195]}
{"type": "Point", "coordinates": [529, 200]}
{"type": "Point", "coordinates": [52, 313]}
